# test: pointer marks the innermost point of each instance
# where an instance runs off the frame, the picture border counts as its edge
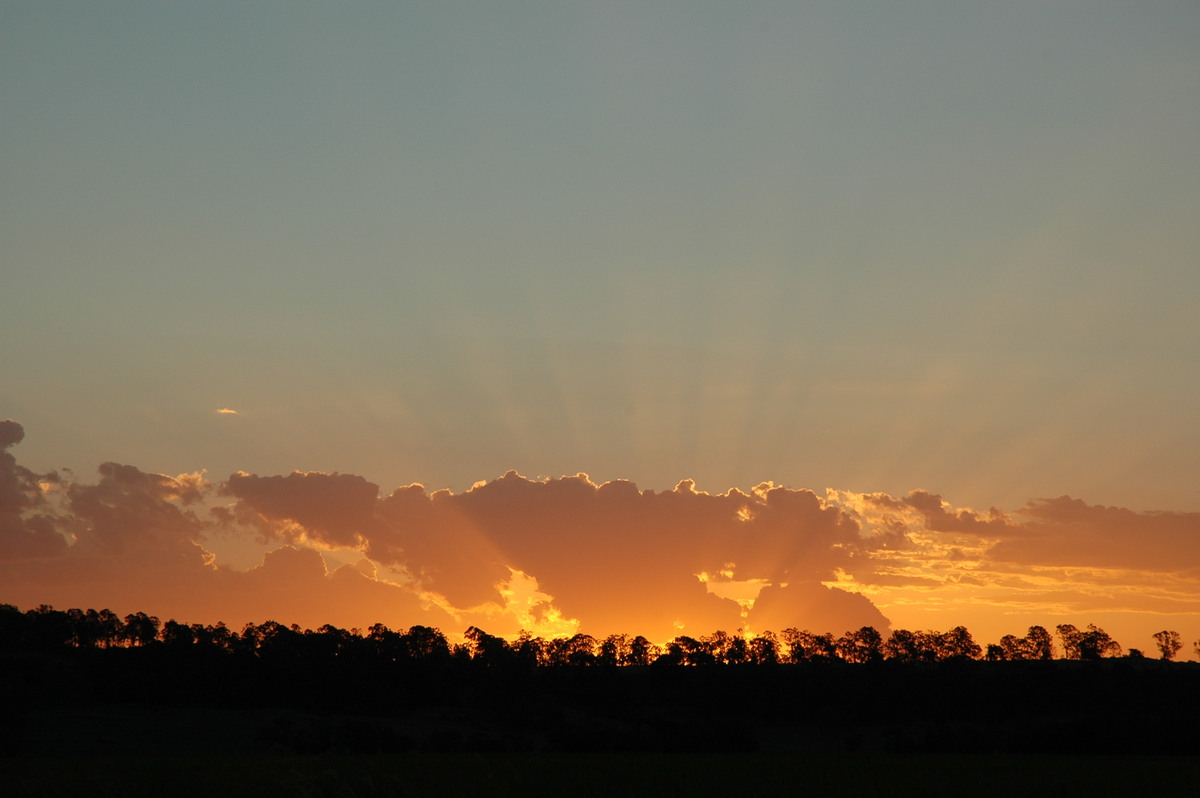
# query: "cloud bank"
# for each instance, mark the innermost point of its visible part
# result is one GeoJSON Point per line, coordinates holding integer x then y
{"type": "Point", "coordinates": [556, 556]}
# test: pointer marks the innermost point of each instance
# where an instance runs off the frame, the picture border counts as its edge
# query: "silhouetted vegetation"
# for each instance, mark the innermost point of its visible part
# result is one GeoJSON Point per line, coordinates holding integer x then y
{"type": "Point", "coordinates": [302, 692]}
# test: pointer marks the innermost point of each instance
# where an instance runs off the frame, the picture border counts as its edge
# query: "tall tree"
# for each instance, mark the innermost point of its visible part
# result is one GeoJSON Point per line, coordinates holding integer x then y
{"type": "Point", "coordinates": [140, 629]}
{"type": "Point", "coordinates": [902, 646]}
{"type": "Point", "coordinates": [764, 649]}
{"type": "Point", "coordinates": [1040, 642]}
{"type": "Point", "coordinates": [861, 645]}
{"type": "Point", "coordinates": [1168, 643]}
{"type": "Point", "coordinates": [1089, 644]}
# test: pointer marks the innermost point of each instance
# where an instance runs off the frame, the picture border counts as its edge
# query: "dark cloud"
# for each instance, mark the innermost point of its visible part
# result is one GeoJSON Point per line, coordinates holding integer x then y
{"type": "Point", "coordinates": [22, 532]}
{"type": "Point", "coordinates": [1067, 531]}
{"type": "Point", "coordinates": [333, 509]}
{"type": "Point", "coordinates": [10, 433]}
{"type": "Point", "coordinates": [814, 607]}
{"type": "Point", "coordinates": [129, 508]}
{"type": "Point", "coordinates": [940, 518]}
{"type": "Point", "coordinates": [612, 555]}
{"type": "Point", "coordinates": [136, 541]}
{"type": "Point", "coordinates": [22, 538]}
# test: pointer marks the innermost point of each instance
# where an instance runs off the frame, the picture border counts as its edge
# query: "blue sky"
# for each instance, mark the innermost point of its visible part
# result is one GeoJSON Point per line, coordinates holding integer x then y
{"type": "Point", "coordinates": [871, 246]}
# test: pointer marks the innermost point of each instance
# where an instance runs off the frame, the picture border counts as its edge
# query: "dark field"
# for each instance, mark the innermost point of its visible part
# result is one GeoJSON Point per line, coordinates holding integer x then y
{"type": "Point", "coordinates": [180, 721]}
{"type": "Point", "coordinates": [131, 750]}
{"type": "Point", "coordinates": [597, 775]}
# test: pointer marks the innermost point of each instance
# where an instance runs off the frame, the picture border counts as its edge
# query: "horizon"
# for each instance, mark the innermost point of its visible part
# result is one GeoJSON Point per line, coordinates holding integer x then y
{"type": "Point", "coordinates": [560, 556]}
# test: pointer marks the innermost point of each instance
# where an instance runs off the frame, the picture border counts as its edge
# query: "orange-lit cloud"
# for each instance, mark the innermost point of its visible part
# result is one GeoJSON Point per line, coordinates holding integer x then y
{"type": "Point", "coordinates": [1053, 560]}
{"type": "Point", "coordinates": [228, 411]}
{"type": "Point", "coordinates": [556, 556]}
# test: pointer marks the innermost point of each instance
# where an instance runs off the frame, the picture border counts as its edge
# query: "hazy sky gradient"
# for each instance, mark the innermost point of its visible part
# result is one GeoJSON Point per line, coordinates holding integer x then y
{"type": "Point", "coordinates": [870, 246]}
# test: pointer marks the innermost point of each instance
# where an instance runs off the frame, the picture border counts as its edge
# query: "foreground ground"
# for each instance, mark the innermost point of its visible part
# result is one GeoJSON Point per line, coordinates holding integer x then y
{"type": "Point", "coordinates": [596, 775]}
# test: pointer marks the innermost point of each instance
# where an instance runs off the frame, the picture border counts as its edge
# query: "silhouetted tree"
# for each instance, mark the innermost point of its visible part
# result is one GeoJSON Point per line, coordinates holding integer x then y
{"type": "Point", "coordinates": [271, 639]}
{"type": "Point", "coordinates": [384, 643]}
{"type": "Point", "coordinates": [1096, 644]}
{"type": "Point", "coordinates": [49, 628]}
{"type": "Point", "coordinates": [487, 649]}
{"type": "Point", "coordinates": [330, 642]}
{"type": "Point", "coordinates": [1010, 647]}
{"type": "Point", "coordinates": [684, 650]}
{"type": "Point", "coordinates": [614, 651]}
{"type": "Point", "coordinates": [929, 645]}
{"type": "Point", "coordinates": [863, 645]}
{"type": "Point", "coordinates": [764, 649]}
{"type": "Point", "coordinates": [1040, 642]}
{"type": "Point", "coordinates": [426, 643]}
{"type": "Point", "coordinates": [1090, 644]}
{"type": "Point", "coordinates": [14, 627]}
{"type": "Point", "coordinates": [140, 629]}
{"type": "Point", "coordinates": [1036, 644]}
{"type": "Point", "coordinates": [177, 635]}
{"type": "Point", "coordinates": [1168, 643]}
{"type": "Point", "coordinates": [642, 651]}
{"type": "Point", "coordinates": [217, 635]}
{"type": "Point", "coordinates": [957, 644]}
{"type": "Point", "coordinates": [1069, 635]}
{"type": "Point", "coordinates": [528, 649]}
{"type": "Point", "coordinates": [726, 648]}
{"type": "Point", "coordinates": [579, 649]}
{"type": "Point", "coordinates": [804, 646]}
{"type": "Point", "coordinates": [902, 646]}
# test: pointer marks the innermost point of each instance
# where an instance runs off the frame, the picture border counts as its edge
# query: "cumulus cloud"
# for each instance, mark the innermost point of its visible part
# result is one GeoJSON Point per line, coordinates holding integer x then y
{"type": "Point", "coordinates": [135, 540]}
{"type": "Point", "coordinates": [1066, 531]}
{"type": "Point", "coordinates": [1053, 560]}
{"type": "Point", "coordinates": [328, 509]}
{"type": "Point", "coordinates": [129, 508]}
{"type": "Point", "coordinates": [10, 432]}
{"type": "Point", "coordinates": [24, 532]}
{"type": "Point", "coordinates": [555, 556]}
{"type": "Point", "coordinates": [617, 557]}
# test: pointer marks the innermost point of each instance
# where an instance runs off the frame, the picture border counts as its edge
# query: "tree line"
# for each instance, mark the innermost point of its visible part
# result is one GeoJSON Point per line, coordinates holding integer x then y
{"type": "Point", "coordinates": [46, 629]}
{"type": "Point", "coordinates": [378, 690]}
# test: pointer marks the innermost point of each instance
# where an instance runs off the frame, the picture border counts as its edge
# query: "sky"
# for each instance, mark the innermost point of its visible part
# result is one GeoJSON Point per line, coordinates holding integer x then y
{"type": "Point", "coordinates": [929, 269]}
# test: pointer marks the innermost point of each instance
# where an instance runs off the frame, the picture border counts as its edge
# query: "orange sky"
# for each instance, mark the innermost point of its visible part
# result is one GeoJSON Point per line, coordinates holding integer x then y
{"type": "Point", "coordinates": [561, 555]}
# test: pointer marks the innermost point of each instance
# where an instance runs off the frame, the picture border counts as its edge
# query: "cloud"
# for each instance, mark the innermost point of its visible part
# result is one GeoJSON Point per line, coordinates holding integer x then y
{"type": "Point", "coordinates": [129, 508]}
{"type": "Point", "coordinates": [228, 411]}
{"type": "Point", "coordinates": [940, 516]}
{"type": "Point", "coordinates": [137, 541]}
{"type": "Point", "coordinates": [1054, 560]}
{"type": "Point", "coordinates": [28, 538]}
{"type": "Point", "coordinates": [814, 607]}
{"type": "Point", "coordinates": [1067, 531]}
{"type": "Point", "coordinates": [10, 433]}
{"type": "Point", "coordinates": [617, 557]}
{"type": "Point", "coordinates": [558, 555]}
{"type": "Point", "coordinates": [24, 532]}
{"type": "Point", "coordinates": [328, 509]}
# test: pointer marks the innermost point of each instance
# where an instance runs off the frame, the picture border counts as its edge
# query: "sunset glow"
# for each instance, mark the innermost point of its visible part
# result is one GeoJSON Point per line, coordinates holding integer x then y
{"type": "Point", "coordinates": [652, 319]}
